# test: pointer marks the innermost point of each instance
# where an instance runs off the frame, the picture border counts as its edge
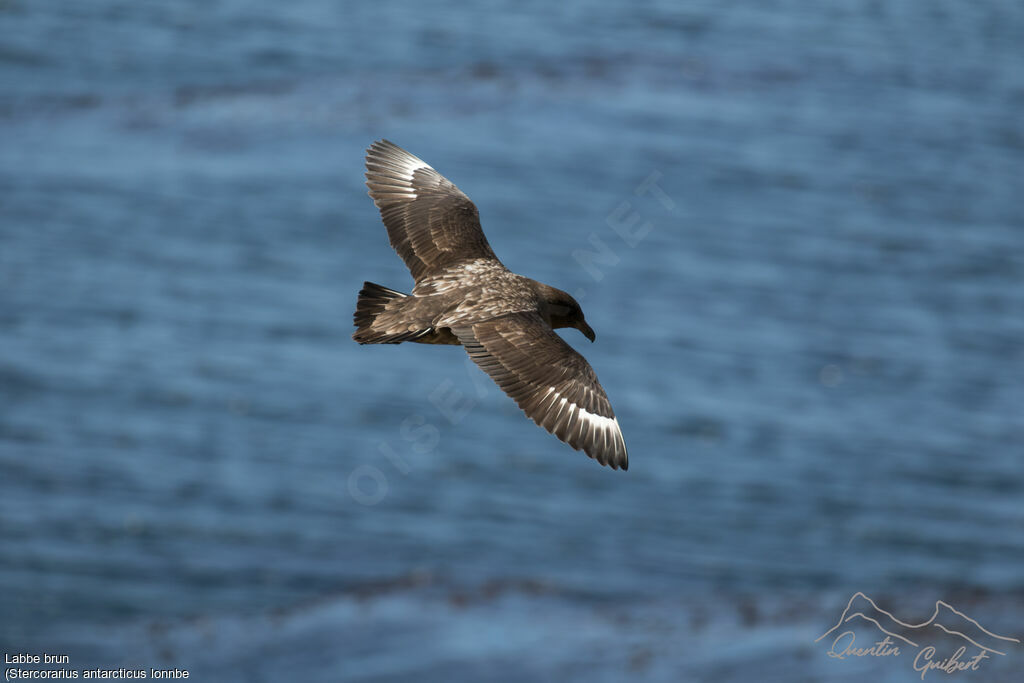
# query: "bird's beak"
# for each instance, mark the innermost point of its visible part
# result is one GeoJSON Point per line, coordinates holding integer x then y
{"type": "Point", "coordinates": [587, 331]}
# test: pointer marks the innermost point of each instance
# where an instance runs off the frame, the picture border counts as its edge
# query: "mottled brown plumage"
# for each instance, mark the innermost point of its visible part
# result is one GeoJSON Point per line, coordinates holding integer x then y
{"type": "Point", "coordinates": [464, 295]}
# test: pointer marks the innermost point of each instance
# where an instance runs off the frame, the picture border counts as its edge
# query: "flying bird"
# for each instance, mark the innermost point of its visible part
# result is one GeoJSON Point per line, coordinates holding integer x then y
{"type": "Point", "coordinates": [465, 295]}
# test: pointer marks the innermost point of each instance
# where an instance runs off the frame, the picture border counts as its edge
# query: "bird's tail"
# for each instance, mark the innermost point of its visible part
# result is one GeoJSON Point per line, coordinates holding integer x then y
{"type": "Point", "coordinates": [372, 301]}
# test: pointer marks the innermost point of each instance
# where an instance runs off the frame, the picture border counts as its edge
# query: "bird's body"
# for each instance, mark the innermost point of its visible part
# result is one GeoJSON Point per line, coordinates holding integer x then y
{"type": "Point", "coordinates": [465, 296]}
{"type": "Point", "coordinates": [460, 295]}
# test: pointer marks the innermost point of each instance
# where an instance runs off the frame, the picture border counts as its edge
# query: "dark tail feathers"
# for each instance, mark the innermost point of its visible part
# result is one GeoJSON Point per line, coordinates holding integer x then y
{"type": "Point", "coordinates": [372, 300]}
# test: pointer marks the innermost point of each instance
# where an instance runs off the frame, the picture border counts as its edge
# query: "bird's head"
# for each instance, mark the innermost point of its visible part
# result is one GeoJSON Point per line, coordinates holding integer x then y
{"type": "Point", "coordinates": [564, 311]}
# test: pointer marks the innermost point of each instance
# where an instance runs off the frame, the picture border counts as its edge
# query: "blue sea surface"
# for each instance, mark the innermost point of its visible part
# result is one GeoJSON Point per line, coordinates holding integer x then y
{"type": "Point", "coordinates": [796, 228]}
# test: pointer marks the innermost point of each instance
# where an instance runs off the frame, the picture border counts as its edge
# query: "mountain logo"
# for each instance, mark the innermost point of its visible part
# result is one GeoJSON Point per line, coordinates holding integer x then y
{"type": "Point", "coordinates": [976, 643]}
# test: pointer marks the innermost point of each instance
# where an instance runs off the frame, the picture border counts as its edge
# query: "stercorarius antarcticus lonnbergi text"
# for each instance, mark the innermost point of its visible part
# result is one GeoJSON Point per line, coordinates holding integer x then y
{"type": "Point", "coordinates": [464, 295]}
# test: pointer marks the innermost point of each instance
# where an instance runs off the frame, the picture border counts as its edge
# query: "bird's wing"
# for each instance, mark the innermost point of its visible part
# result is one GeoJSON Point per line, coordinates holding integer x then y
{"type": "Point", "coordinates": [551, 382]}
{"type": "Point", "coordinates": [430, 222]}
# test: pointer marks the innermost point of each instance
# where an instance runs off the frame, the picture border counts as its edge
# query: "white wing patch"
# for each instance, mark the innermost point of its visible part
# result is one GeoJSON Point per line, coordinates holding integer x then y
{"type": "Point", "coordinates": [607, 427]}
{"type": "Point", "coordinates": [393, 167]}
{"type": "Point", "coordinates": [407, 165]}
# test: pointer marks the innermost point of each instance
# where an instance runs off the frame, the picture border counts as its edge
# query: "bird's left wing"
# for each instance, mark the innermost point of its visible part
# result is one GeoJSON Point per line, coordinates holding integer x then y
{"type": "Point", "coordinates": [550, 381]}
{"type": "Point", "coordinates": [431, 223]}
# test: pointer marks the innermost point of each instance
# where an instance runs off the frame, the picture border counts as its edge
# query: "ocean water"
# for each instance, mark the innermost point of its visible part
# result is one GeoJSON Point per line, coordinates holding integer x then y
{"type": "Point", "coordinates": [796, 230]}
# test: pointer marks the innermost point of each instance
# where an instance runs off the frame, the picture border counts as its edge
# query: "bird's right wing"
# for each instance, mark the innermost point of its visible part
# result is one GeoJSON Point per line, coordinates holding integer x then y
{"type": "Point", "coordinates": [550, 381]}
{"type": "Point", "coordinates": [430, 222]}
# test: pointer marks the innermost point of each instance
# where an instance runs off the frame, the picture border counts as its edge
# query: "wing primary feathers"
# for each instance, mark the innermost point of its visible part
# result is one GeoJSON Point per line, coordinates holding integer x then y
{"type": "Point", "coordinates": [569, 403]}
{"type": "Point", "coordinates": [430, 222]}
